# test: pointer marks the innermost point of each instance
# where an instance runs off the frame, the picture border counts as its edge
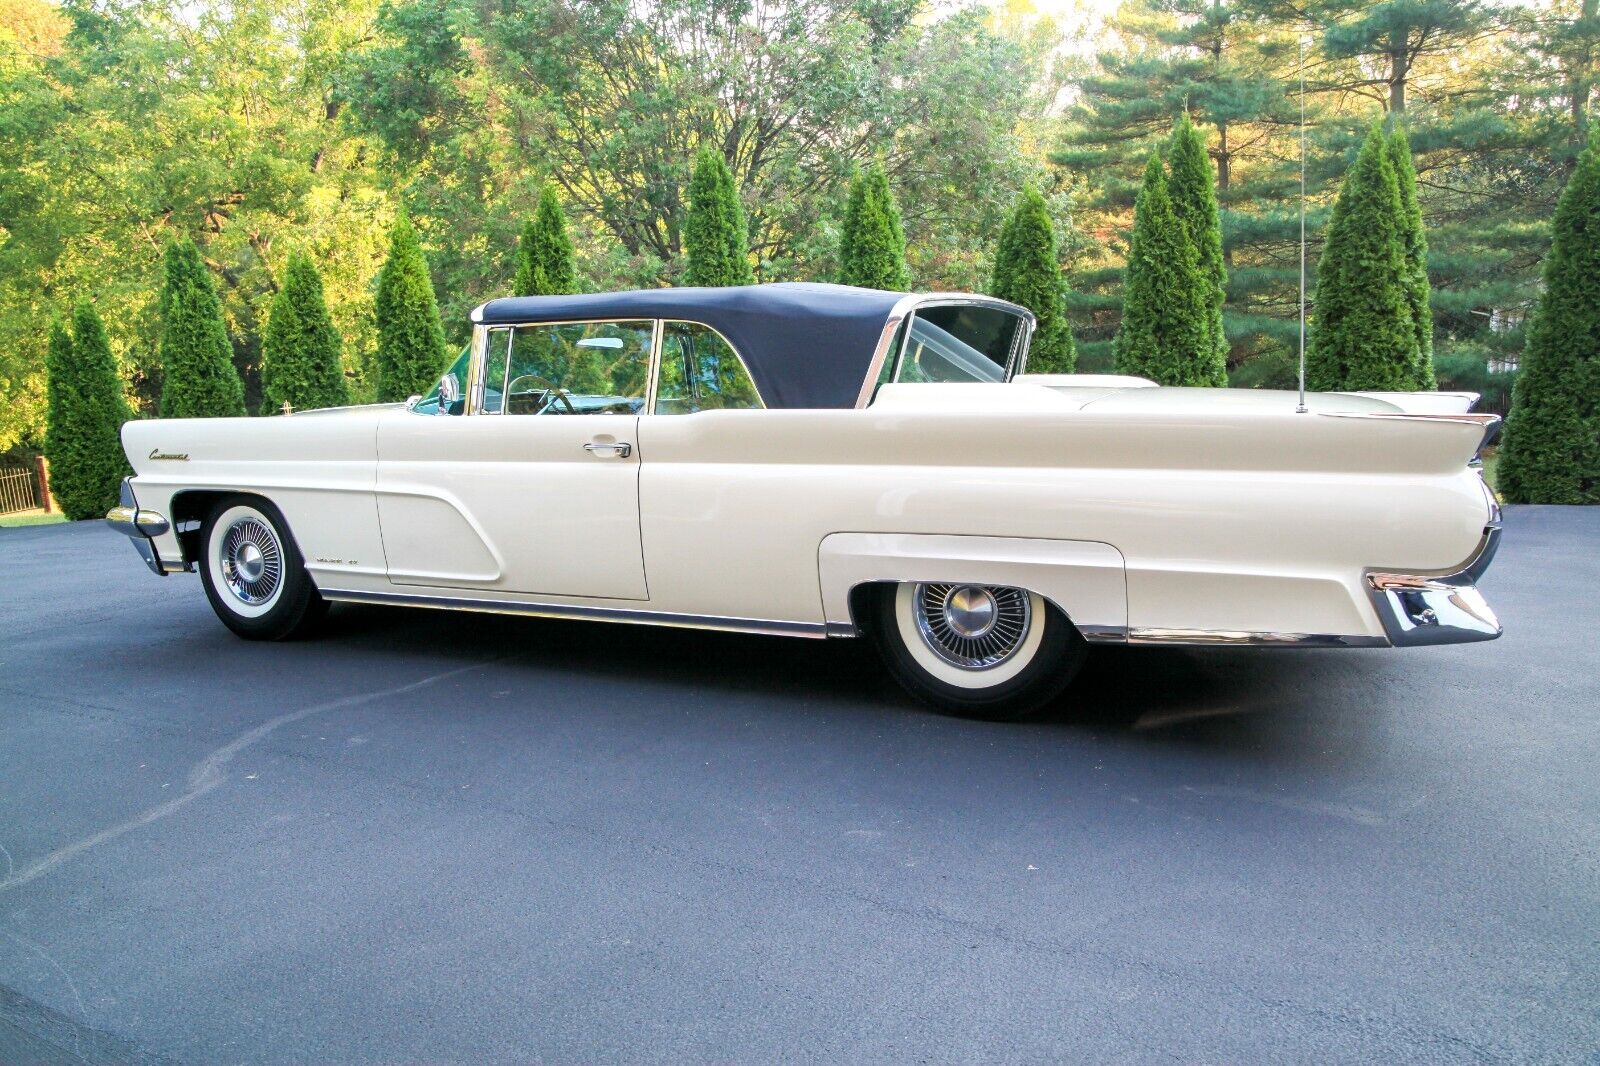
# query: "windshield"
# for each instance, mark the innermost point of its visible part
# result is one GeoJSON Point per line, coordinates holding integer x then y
{"type": "Point", "coordinates": [429, 404]}
{"type": "Point", "coordinates": [958, 342]}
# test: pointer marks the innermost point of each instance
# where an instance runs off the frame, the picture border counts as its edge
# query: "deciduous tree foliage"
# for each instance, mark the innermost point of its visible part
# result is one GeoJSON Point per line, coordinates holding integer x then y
{"type": "Point", "coordinates": [301, 350]}
{"type": "Point", "coordinates": [1414, 241]}
{"type": "Point", "coordinates": [1166, 310]}
{"type": "Point", "coordinates": [716, 240]}
{"type": "Point", "coordinates": [86, 413]}
{"type": "Point", "coordinates": [872, 244]}
{"type": "Point", "coordinates": [1551, 450]}
{"type": "Point", "coordinates": [1362, 335]}
{"type": "Point", "coordinates": [411, 348]}
{"type": "Point", "coordinates": [1027, 272]}
{"type": "Point", "coordinates": [199, 379]}
{"type": "Point", "coordinates": [1194, 201]}
{"type": "Point", "coordinates": [545, 264]}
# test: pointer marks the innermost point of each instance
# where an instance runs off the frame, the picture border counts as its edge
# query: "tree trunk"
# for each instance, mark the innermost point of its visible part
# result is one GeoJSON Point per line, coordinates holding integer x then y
{"type": "Point", "coordinates": [1579, 80]}
{"type": "Point", "coordinates": [1398, 69]}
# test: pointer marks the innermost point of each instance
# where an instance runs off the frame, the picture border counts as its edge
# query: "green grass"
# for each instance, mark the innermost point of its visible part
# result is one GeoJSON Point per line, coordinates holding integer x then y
{"type": "Point", "coordinates": [1491, 462]}
{"type": "Point", "coordinates": [31, 518]}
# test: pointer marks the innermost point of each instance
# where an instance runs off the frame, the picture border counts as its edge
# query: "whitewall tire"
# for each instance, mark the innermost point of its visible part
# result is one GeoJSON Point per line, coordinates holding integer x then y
{"type": "Point", "coordinates": [984, 651]}
{"type": "Point", "coordinates": [254, 575]}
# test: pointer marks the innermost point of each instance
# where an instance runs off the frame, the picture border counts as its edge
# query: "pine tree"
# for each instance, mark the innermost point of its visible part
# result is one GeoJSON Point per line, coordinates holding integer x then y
{"type": "Point", "coordinates": [545, 264]}
{"type": "Point", "coordinates": [715, 238]}
{"type": "Point", "coordinates": [85, 417]}
{"type": "Point", "coordinates": [1362, 335]}
{"type": "Point", "coordinates": [411, 348]}
{"type": "Point", "coordinates": [1027, 272]}
{"type": "Point", "coordinates": [198, 376]}
{"type": "Point", "coordinates": [1166, 304]}
{"type": "Point", "coordinates": [872, 244]}
{"type": "Point", "coordinates": [1551, 452]}
{"type": "Point", "coordinates": [1414, 239]}
{"type": "Point", "coordinates": [1194, 201]}
{"type": "Point", "coordinates": [300, 350]}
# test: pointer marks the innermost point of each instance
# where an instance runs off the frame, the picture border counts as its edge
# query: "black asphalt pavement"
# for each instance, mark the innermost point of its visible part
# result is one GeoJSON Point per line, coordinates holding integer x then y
{"type": "Point", "coordinates": [438, 837]}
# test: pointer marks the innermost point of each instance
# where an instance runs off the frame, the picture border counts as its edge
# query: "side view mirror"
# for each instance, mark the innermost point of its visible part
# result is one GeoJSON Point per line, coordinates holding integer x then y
{"type": "Point", "coordinates": [449, 393]}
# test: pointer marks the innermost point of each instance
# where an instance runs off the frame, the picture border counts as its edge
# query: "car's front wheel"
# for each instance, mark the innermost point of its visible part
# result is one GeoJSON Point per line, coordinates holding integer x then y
{"type": "Point", "coordinates": [253, 573]}
{"type": "Point", "coordinates": [984, 651]}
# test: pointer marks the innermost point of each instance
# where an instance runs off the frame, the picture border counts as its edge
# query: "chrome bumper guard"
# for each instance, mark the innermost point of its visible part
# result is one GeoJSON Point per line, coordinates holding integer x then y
{"type": "Point", "coordinates": [138, 526]}
{"type": "Point", "coordinates": [1420, 609]}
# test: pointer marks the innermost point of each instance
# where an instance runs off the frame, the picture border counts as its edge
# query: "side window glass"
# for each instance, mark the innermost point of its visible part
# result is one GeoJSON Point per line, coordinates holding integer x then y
{"type": "Point", "coordinates": [700, 372]}
{"type": "Point", "coordinates": [576, 368]}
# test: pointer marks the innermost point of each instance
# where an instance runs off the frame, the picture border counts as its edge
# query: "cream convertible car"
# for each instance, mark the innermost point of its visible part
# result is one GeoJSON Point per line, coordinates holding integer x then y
{"type": "Point", "coordinates": [822, 461]}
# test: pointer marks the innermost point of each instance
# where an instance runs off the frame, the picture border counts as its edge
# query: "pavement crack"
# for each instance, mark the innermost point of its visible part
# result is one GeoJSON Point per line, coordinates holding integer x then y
{"type": "Point", "coordinates": [210, 772]}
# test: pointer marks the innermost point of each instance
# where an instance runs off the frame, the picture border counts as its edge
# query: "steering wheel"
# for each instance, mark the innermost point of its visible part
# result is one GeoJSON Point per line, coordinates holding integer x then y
{"type": "Point", "coordinates": [553, 392]}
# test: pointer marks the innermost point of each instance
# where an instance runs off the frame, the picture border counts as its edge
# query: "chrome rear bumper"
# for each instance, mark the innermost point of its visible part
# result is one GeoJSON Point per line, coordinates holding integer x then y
{"type": "Point", "coordinates": [1419, 609]}
{"type": "Point", "coordinates": [138, 526]}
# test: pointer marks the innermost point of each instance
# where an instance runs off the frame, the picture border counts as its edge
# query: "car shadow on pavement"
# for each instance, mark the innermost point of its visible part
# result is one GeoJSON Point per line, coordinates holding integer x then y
{"type": "Point", "coordinates": [1224, 699]}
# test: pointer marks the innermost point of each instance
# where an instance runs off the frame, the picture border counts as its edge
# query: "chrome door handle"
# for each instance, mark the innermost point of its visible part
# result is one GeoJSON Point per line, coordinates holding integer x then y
{"type": "Point", "coordinates": [620, 450]}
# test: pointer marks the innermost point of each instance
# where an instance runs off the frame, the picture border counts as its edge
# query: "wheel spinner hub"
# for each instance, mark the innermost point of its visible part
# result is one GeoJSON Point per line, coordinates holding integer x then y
{"type": "Point", "coordinates": [974, 627]}
{"type": "Point", "coordinates": [252, 561]}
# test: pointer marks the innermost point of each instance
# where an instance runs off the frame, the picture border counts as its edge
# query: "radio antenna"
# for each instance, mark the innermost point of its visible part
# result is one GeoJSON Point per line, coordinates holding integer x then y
{"type": "Point", "coordinates": [1301, 408]}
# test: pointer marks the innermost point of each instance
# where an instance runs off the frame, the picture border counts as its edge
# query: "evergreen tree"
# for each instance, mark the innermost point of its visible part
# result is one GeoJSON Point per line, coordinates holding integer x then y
{"type": "Point", "coordinates": [872, 244]}
{"type": "Point", "coordinates": [1551, 452]}
{"type": "Point", "coordinates": [1362, 335]}
{"type": "Point", "coordinates": [86, 412]}
{"type": "Point", "coordinates": [199, 379]}
{"type": "Point", "coordinates": [715, 239]}
{"type": "Point", "coordinates": [1414, 239]}
{"type": "Point", "coordinates": [300, 350]}
{"type": "Point", "coordinates": [411, 348]}
{"type": "Point", "coordinates": [545, 264]}
{"type": "Point", "coordinates": [1027, 272]}
{"type": "Point", "coordinates": [1166, 304]}
{"type": "Point", "coordinates": [1194, 201]}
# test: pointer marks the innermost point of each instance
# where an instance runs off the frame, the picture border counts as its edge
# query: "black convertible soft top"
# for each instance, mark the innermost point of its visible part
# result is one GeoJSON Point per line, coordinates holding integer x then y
{"type": "Point", "coordinates": [807, 345]}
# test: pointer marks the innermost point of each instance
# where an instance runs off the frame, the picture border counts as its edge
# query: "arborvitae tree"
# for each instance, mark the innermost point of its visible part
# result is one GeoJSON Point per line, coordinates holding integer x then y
{"type": "Point", "coordinates": [1362, 335]}
{"type": "Point", "coordinates": [1166, 303]}
{"type": "Point", "coordinates": [198, 375]}
{"type": "Point", "coordinates": [1414, 240]}
{"type": "Point", "coordinates": [411, 349]}
{"type": "Point", "coordinates": [86, 412]}
{"type": "Point", "coordinates": [545, 264]}
{"type": "Point", "coordinates": [872, 245]}
{"type": "Point", "coordinates": [1551, 452]}
{"type": "Point", "coordinates": [1194, 201]}
{"type": "Point", "coordinates": [1026, 272]}
{"type": "Point", "coordinates": [300, 350]}
{"type": "Point", "coordinates": [715, 238]}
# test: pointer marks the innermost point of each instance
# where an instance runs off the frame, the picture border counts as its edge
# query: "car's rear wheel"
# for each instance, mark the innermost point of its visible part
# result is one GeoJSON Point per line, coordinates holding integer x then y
{"type": "Point", "coordinates": [983, 651]}
{"type": "Point", "coordinates": [254, 575]}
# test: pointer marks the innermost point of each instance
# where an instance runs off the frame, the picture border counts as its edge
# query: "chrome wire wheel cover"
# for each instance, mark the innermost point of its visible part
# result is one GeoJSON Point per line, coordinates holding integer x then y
{"type": "Point", "coordinates": [975, 627]}
{"type": "Point", "coordinates": [252, 561]}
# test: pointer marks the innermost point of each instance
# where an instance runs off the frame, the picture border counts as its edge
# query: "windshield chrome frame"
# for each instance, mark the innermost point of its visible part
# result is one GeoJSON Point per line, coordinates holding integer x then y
{"type": "Point", "coordinates": [905, 309]}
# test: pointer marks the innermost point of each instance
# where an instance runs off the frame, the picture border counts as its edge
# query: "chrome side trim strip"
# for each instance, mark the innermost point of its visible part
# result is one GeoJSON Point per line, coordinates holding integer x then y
{"type": "Point", "coordinates": [1247, 638]}
{"type": "Point", "coordinates": [1103, 634]}
{"type": "Point", "coordinates": [768, 626]}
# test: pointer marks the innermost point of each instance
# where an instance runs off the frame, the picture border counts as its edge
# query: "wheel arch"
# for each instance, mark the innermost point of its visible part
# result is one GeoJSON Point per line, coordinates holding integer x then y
{"type": "Point", "coordinates": [190, 507]}
{"type": "Point", "coordinates": [1083, 580]}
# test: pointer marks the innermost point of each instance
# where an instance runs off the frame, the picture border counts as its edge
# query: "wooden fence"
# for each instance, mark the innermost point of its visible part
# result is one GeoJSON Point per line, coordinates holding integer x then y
{"type": "Point", "coordinates": [22, 488]}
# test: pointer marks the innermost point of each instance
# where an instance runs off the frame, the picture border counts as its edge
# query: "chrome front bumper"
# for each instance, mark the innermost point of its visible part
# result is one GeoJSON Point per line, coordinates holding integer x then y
{"type": "Point", "coordinates": [138, 526]}
{"type": "Point", "coordinates": [1419, 609]}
